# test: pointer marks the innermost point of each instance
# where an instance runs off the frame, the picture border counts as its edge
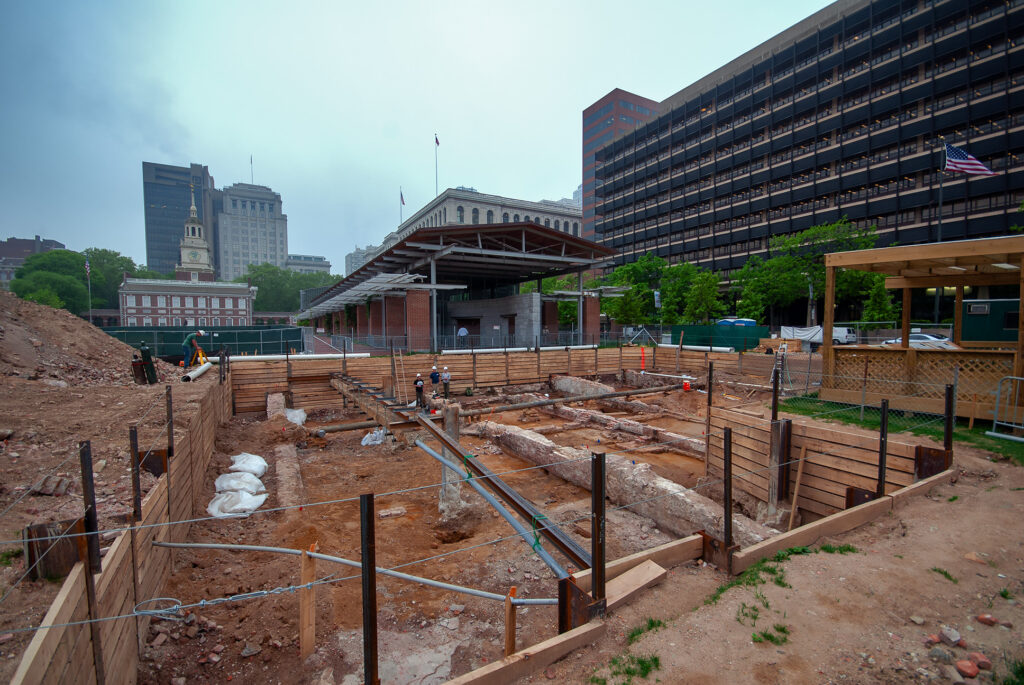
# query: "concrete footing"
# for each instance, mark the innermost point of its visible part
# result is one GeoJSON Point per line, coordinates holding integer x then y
{"type": "Point", "coordinates": [572, 385]}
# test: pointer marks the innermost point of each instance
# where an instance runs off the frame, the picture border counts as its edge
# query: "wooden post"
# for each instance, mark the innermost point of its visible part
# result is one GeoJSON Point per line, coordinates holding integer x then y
{"type": "Point", "coordinates": [796, 488]}
{"type": "Point", "coordinates": [538, 356]}
{"type": "Point", "coordinates": [958, 316]}
{"type": "Point", "coordinates": [678, 351]}
{"type": "Point", "coordinates": [473, 354]}
{"type": "Point", "coordinates": [568, 361]}
{"type": "Point", "coordinates": [510, 622]}
{"type": "Point", "coordinates": [89, 553]}
{"type": "Point", "coordinates": [620, 355]}
{"type": "Point", "coordinates": [133, 455]}
{"type": "Point", "coordinates": [508, 378]}
{"type": "Point", "coordinates": [905, 320]}
{"type": "Point", "coordinates": [654, 358]}
{"type": "Point", "coordinates": [596, 360]}
{"type": "Point", "coordinates": [826, 332]}
{"type": "Point", "coordinates": [307, 605]}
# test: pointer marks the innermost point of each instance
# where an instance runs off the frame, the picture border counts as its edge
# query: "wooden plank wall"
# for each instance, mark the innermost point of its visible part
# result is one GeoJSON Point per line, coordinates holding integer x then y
{"type": "Point", "coordinates": [835, 459]}
{"type": "Point", "coordinates": [132, 569]}
{"type": "Point", "coordinates": [308, 380]}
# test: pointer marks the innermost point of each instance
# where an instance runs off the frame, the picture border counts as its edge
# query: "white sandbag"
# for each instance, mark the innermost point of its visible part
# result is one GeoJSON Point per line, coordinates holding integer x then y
{"type": "Point", "coordinates": [374, 438]}
{"type": "Point", "coordinates": [239, 482]}
{"type": "Point", "coordinates": [249, 463]}
{"type": "Point", "coordinates": [296, 416]}
{"type": "Point", "coordinates": [234, 504]}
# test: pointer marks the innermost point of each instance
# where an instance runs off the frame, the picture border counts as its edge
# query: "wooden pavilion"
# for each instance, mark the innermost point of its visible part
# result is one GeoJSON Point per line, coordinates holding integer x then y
{"type": "Point", "coordinates": [914, 379]}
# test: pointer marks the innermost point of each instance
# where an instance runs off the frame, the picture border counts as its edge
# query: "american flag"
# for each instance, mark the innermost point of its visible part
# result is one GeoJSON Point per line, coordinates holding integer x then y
{"type": "Point", "coordinates": [87, 268]}
{"type": "Point", "coordinates": [959, 160]}
{"type": "Point", "coordinates": [437, 142]}
{"type": "Point", "coordinates": [401, 196]}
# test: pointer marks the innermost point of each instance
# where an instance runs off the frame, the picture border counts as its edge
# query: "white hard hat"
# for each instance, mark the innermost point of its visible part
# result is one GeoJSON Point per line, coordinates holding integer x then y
{"type": "Point", "coordinates": [417, 375]}
{"type": "Point", "coordinates": [446, 368]}
{"type": "Point", "coordinates": [434, 368]}
{"type": "Point", "coordinates": [201, 332]}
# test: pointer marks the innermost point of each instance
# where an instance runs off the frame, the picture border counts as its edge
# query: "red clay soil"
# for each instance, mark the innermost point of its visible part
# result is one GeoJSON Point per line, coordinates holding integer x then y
{"type": "Point", "coordinates": [62, 381]}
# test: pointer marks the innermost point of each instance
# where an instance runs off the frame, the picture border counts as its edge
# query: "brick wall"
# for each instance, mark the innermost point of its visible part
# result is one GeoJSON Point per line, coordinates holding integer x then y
{"type": "Point", "coordinates": [362, 323]}
{"type": "Point", "coordinates": [549, 317]}
{"type": "Point", "coordinates": [417, 319]}
{"type": "Point", "coordinates": [395, 315]}
{"type": "Point", "coordinates": [376, 320]}
{"type": "Point", "coordinates": [591, 320]}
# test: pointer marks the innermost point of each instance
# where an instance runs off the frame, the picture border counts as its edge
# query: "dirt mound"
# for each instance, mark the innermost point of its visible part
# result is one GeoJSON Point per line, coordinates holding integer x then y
{"type": "Point", "coordinates": [42, 343]}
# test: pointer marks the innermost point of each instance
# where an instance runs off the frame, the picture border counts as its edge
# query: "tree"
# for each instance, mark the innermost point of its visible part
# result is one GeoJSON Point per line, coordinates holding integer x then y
{"type": "Point", "coordinates": [675, 284]}
{"type": "Point", "coordinates": [46, 297]}
{"type": "Point", "coordinates": [642, 277]}
{"type": "Point", "coordinates": [879, 305]}
{"type": "Point", "coordinates": [566, 308]}
{"type": "Point", "coordinates": [763, 285]}
{"type": "Point", "coordinates": [108, 268]}
{"type": "Point", "coordinates": [702, 300]}
{"type": "Point", "coordinates": [43, 286]}
{"type": "Point", "coordinates": [279, 288]}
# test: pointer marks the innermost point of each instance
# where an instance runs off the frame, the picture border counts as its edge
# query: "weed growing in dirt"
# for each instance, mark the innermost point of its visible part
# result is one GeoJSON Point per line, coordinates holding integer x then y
{"type": "Point", "coordinates": [746, 611]}
{"type": "Point", "coordinates": [1016, 489]}
{"type": "Point", "coordinates": [1005, 593]}
{"type": "Point", "coordinates": [624, 668]}
{"type": "Point", "coordinates": [945, 574]}
{"type": "Point", "coordinates": [841, 549]}
{"type": "Point", "coordinates": [759, 573]}
{"type": "Point", "coordinates": [780, 636]}
{"type": "Point", "coordinates": [8, 556]}
{"type": "Point", "coordinates": [651, 625]}
{"type": "Point", "coordinates": [953, 498]}
{"type": "Point", "coordinates": [1016, 673]}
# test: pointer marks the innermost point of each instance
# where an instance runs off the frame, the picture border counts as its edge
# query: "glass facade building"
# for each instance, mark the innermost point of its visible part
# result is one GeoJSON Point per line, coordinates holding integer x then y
{"type": "Point", "coordinates": [844, 114]}
{"type": "Point", "coordinates": [166, 194]}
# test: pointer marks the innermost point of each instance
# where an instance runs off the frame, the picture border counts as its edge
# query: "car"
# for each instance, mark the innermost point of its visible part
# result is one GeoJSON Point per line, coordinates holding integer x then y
{"type": "Point", "coordinates": [917, 337]}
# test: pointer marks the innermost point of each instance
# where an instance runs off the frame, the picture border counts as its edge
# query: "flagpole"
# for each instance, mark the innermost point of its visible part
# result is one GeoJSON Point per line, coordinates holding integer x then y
{"type": "Point", "coordinates": [400, 196]}
{"type": "Point", "coordinates": [435, 165]}
{"type": "Point", "coordinates": [942, 178]}
{"type": "Point", "coordinates": [88, 280]}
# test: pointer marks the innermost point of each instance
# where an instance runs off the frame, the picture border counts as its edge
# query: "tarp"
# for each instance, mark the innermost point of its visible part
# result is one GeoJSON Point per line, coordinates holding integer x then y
{"type": "Point", "coordinates": [810, 334]}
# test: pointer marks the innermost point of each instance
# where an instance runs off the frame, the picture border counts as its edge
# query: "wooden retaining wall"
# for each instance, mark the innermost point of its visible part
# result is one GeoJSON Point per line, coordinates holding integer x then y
{"type": "Point", "coordinates": [308, 380]}
{"type": "Point", "coordinates": [835, 460]}
{"type": "Point", "coordinates": [132, 570]}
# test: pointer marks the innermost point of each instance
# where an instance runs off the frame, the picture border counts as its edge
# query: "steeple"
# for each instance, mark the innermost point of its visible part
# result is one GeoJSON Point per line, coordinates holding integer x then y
{"type": "Point", "coordinates": [195, 263]}
{"type": "Point", "coordinates": [192, 214]}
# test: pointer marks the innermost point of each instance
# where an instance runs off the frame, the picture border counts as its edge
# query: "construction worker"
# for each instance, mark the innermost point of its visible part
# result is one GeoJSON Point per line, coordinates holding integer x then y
{"type": "Point", "coordinates": [419, 392]}
{"type": "Point", "coordinates": [190, 346]}
{"type": "Point", "coordinates": [446, 378]}
{"type": "Point", "coordinates": [435, 378]}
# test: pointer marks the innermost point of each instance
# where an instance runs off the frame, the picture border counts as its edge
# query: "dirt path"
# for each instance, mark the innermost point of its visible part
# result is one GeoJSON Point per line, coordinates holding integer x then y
{"type": "Point", "coordinates": [850, 618]}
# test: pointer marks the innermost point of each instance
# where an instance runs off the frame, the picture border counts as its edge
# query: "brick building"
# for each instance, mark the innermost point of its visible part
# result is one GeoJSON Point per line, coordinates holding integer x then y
{"type": "Point", "coordinates": [154, 302]}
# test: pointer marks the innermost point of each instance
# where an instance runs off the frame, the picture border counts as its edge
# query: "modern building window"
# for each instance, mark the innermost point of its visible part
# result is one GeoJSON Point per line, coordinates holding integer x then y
{"type": "Point", "coordinates": [490, 216]}
{"type": "Point", "coordinates": [476, 215]}
{"type": "Point", "coordinates": [504, 218]}
{"type": "Point", "coordinates": [460, 214]}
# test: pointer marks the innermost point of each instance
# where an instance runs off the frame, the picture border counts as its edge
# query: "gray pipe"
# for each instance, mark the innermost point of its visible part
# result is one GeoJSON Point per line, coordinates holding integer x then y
{"type": "Point", "coordinates": [356, 564]}
{"type": "Point", "coordinates": [525, 532]}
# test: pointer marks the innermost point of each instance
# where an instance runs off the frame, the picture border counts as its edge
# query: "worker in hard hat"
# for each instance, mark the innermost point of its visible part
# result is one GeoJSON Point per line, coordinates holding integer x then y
{"type": "Point", "coordinates": [419, 392]}
{"type": "Point", "coordinates": [435, 378]}
{"type": "Point", "coordinates": [190, 347]}
{"type": "Point", "coordinates": [446, 378]}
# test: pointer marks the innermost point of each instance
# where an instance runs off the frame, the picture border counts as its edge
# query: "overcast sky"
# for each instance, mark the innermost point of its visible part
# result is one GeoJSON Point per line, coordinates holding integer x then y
{"type": "Point", "coordinates": [337, 102]}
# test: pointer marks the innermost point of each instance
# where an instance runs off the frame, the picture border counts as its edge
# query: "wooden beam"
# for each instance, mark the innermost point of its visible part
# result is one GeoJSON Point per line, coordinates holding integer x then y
{"type": "Point", "coordinates": [830, 307]}
{"type": "Point", "coordinates": [667, 555]}
{"type": "Point", "coordinates": [621, 589]}
{"type": "Point", "coordinates": [510, 622]}
{"type": "Point", "coordinates": [1003, 278]}
{"type": "Point", "coordinates": [533, 659]}
{"type": "Point", "coordinates": [307, 607]}
{"type": "Point", "coordinates": [910, 253]}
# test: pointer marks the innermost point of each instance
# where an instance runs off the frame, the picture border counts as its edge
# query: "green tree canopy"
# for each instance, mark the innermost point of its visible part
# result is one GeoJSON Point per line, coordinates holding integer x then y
{"type": "Point", "coordinates": [279, 288]}
{"type": "Point", "coordinates": [702, 299]}
{"type": "Point", "coordinates": [44, 286]}
{"type": "Point", "coordinates": [566, 309]}
{"type": "Point", "coordinates": [879, 305]}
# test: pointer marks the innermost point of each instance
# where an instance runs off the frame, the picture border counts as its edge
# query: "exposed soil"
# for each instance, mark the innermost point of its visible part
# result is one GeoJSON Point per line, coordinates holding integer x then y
{"type": "Point", "coordinates": [63, 381]}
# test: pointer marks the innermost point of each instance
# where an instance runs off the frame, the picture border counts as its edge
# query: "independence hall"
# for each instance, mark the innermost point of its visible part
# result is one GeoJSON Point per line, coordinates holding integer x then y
{"type": "Point", "coordinates": [844, 114]}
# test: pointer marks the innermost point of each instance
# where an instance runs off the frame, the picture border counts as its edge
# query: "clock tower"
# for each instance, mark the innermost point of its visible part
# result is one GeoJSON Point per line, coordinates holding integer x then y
{"type": "Point", "coordinates": [194, 264]}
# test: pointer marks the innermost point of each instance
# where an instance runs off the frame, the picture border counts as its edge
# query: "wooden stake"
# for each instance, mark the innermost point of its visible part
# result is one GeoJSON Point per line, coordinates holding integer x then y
{"type": "Point", "coordinates": [307, 605]}
{"type": "Point", "coordinates": [796, 489]}
{"type": "Point", "coordinates": [510, 623]}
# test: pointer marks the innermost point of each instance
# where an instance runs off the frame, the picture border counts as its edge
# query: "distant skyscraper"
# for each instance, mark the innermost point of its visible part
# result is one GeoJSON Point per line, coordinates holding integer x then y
{"type": "Point", "coordinates": [359, 256]}
{"type": "Point", "coordinates": [251, 229]}
{"type": "Point", "coordinates": [308, 264]}
{"type": "Point", "coordinates": [604, 121]}
{"type": "Point", "coordinates": [166, 196]}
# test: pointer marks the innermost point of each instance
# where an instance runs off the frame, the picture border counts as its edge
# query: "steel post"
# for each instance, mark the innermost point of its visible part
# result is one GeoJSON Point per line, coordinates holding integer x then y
{"type": "Point", "coordinates": [883, 448]}
{"type": "Point", "coordinates": [369, 567]}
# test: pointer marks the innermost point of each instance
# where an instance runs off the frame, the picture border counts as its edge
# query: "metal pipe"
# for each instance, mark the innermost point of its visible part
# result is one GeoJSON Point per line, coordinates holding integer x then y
{"type": "Point", "coordinates": [668, 375]}
{"type": "Point", "coordinates": [196, 373]}
{"type": "Point", "coordinates": [505, 513]}
{"type": "Point", "coordinates": [488, 350]}
{"type": "Point", "coordinates": [285, 357]}
{"type": "Point", "coordinates": [355, 564]}
{"type": "Point", "coordinates": [701, 348]}
{"type": "Point", "coordinates": [576, 398]}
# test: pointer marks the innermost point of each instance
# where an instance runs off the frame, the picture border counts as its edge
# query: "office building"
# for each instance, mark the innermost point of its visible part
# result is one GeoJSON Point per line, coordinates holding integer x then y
{"type": "Point", "coordinates": [166, 198]}
{"type": "Point", "coordinates": [308, 264]}
{"type": "Point", "coordinates": [14, 252]}
{"type": "Point", "coordinates": [251, 229]}
{"type": "Point", "coordinates": [843, 114]}
{"type": "Point", "coordinates": [604, 121]}
{"type": "Point", "coordinates": [359, 256]}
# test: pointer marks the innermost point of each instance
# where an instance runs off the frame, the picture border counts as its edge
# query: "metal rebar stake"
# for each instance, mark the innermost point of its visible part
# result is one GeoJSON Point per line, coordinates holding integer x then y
{"type": "Point", "coordinates": [597, 530]}
{"type": "Point", "coordinates": [369, 562]}
{"type": "Point", "coordinates": [883, 448]}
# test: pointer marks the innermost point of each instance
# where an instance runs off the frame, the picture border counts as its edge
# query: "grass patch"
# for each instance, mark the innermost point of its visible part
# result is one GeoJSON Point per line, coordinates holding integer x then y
{"type": "Point", "coordinates": [1015, 489]}
{"type": "Point", "coordinates": [777, 635]}
{"type": "Point", "coordinates": [760, 573]}
{"type": "Point", "coordinates": [1005, 593]}
{"type": "Point", "coordinates": [8, 556]}
{"type": "Point", "coordinates": [841, 549]}
{"type": "Point", "coordinates": [625, 668]}
{"type": "Point", "coordinates": [945, 574]}
{"type": "Point", "coordinates": [900, 422]}
{"type": "Point", "coordinates": [747, 611]}
{"type": "Point", "coordinates": [1015, 676]}
{"type": "Point", "coordinates": [651, 624]}
{"type": "Point", "coordinates": [953, 498]}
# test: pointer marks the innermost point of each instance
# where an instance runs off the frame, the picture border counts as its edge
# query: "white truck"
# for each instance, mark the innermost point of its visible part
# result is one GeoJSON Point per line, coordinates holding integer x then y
{"type": "Point", "coordinates": [841, 335]}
